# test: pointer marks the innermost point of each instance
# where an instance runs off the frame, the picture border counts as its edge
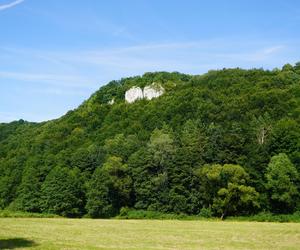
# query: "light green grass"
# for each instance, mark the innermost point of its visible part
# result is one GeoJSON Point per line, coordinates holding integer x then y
{"type": "Point", "coordinates": [59, 233]}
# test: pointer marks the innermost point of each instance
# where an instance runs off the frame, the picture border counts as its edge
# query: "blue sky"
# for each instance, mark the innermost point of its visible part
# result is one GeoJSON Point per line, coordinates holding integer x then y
{"type": "Point", "coordinates": [54, 54]}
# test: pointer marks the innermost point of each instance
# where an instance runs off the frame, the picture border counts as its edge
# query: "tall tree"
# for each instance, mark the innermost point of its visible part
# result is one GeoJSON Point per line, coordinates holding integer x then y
{"type": "Point", "coordinates": [152, 171]}
{"type": "Point", "coordinates": [109, 189]}
{"type": "Point", "coordinates": [62, 192]}
{"type": "Point", "coordinates": [29, 192]}
{"type": "Point", "coordinates": [281, 182]}
{"type": "Point", "coordinates": [225, 190]}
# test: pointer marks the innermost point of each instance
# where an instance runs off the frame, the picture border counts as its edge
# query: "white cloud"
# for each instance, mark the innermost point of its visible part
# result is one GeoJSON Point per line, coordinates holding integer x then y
{"type": "Point", "coordinates": [189, 57]}
{"type": "Point", "coordinates": [273, 49]}
{"type": "Point", "coordinates": [10, 5]}
{"type": "Point", "coordinates": [259, 56]}
{"type": "Point", "coordinates": [88, 69]}
{"type": "Point", "coordinates": [50, 79]}
{"type": "Point", "coordinates": [163, 56]}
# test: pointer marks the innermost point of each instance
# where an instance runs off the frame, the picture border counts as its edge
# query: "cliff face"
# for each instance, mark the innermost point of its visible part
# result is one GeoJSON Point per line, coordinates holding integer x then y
{"type": "Point", "coordinates": [153, 91]}
{"type": "Point", "coordinates": [133, 94]}
{"type": "Point", "coordinates": [149, 92]}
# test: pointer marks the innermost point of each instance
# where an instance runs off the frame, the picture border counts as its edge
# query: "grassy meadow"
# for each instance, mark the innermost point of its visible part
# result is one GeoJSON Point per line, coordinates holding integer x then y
{"type": "Point", "coordinates": [60, 233]}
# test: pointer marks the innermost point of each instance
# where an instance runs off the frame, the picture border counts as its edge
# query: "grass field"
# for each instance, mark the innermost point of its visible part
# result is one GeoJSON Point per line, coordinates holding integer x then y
{"type": "Point", "coordinates": [54, 233]}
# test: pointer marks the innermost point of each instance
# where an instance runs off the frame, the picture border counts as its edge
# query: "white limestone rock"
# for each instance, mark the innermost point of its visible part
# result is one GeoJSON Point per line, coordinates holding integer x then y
{"type": "Point", "coordinates": [134, 94]}
{"type": "Point", "coordinates": [149, 92]}
{"type": "Point", "coordinates": [153, 91]}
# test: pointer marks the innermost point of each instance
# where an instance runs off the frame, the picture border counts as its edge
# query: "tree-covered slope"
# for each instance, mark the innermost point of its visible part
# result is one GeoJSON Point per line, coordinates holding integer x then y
{"type": "Point", "coordinates": [222, 142]}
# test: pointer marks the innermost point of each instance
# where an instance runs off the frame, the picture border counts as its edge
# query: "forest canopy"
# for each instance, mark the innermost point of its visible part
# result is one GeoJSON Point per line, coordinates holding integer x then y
{"type": "Point", "coordinates": [227, 141]}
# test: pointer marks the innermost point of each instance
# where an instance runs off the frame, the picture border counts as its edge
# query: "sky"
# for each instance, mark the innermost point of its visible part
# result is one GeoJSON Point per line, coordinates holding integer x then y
{"type": "Point", "coordinates": [54, 54]}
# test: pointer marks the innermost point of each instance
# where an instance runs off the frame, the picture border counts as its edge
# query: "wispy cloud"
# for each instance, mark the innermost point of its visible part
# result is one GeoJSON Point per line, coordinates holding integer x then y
{"type": "Point", "coordinates": [259, 56]}
{"type": "Point", "coordinates": [89, 68]}
{"type": "Point", "coordinates": [75, 74]}
{"type": "Point", "coordinates": [161, 54]}
{"type": "Point", "coordinates": [266, 53]}
{"type": "Point", "coordinates": [189, 57]}
{"type": "Point", "coordinates": [273, 49]}
{"type": "Point", "coordinates": [49, 79]}
{"type": "Point", "coordinates": [10, 5]}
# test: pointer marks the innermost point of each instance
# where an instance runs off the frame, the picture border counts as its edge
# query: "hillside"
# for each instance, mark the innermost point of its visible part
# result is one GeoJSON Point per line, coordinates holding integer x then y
{"type": "Point", "coordinates": [226, 142]}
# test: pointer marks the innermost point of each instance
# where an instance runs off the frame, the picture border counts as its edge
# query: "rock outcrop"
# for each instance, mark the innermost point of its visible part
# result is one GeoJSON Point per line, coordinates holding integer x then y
{"type": "Point", "coordinates": [149, 92]}
{"type": "Point", "coordinates": [133, 94]}
{"type": "Point", "coordinates": [153, 91]}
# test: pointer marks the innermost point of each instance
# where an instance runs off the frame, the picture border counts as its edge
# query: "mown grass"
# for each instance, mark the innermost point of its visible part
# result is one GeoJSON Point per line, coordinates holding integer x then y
{"type": "Point", "coordinates": [59, 233]}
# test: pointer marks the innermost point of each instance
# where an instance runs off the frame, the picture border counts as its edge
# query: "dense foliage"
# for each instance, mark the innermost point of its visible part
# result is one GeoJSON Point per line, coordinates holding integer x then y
{"type": "Point", "coordinates": [224, 143]}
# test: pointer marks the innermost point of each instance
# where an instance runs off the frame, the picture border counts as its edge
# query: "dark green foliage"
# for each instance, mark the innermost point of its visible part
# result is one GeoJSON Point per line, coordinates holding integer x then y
{"type": "Point", "coordinates": [127, 213]}
{"type": "Point", "coordinates": [109, 189]}
{"type": "Point", "coordinates": [158, 182]}
{"type": "Point", "coordinates": [19, 214]}
{"type": "Point", "coordinates": [62, 193]}
{"type": "Point", "coordinates": [179, 153]}
{"type": "Point", "coordinates": [281, 182]}
{"type": "Point", "coordinates": [225, 189]}
{"type": "Point", "coordinates": [268, 217]}
{"type": "Point", "coordinates": [205, 213]}
{"type": "Point", "coordinates": [29, 192]}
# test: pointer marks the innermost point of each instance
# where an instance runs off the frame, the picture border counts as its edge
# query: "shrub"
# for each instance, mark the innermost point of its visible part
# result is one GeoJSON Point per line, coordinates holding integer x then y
{"type": "Point", "coordinates": [205, 213]}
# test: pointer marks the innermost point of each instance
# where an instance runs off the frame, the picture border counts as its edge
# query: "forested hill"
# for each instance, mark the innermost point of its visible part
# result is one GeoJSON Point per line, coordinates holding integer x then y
{"type": "Point", "coordinates": [226, 142]}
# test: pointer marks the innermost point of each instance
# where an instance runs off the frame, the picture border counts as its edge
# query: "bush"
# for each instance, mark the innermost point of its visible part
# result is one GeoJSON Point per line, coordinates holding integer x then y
{"type": "Point", "coordinates": [124, 212]}
{"type": "Point", "coordinates": [205, 213]}
{"type": "Point", "coordinates": [15, 214]}
{"type": "Point", "coordinates": [127, 213]}
{"type": "Point", "coordinates": [269, 217]}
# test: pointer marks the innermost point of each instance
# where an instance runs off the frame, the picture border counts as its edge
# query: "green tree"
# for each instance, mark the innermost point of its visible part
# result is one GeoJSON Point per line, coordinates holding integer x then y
{"type": "Point", "coordinates": [225, 189]}
{"type": "Point", "coordinates": [121, 146]}
{"type": "Point", "coordinates": [10, 178]}
{"type": "Point", "coordinates": [262, 127]}
{"type": "Point", "coordinates": [235, 197]}
{"type": "Point", "coordinates": [62, 192]}
{"type": "Point", "coordinates": [286, 139]}
{"type": "Point", "coordinates": [109, 189]}
{"type": "Point", "coordinates": [193, 143]}
{"type": "Point", "coordinates": [161, 147]}
{"type": "Point", "coordinates": [297, 67]}
{"type": "Point", "coordinates": [29, 192]}
{"type": "Point", "coordinates": [281, 183]}
{"type": "Point", "coordinates": [153, 169]}
{"type": "Point", "coordinates": [287, 67]}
